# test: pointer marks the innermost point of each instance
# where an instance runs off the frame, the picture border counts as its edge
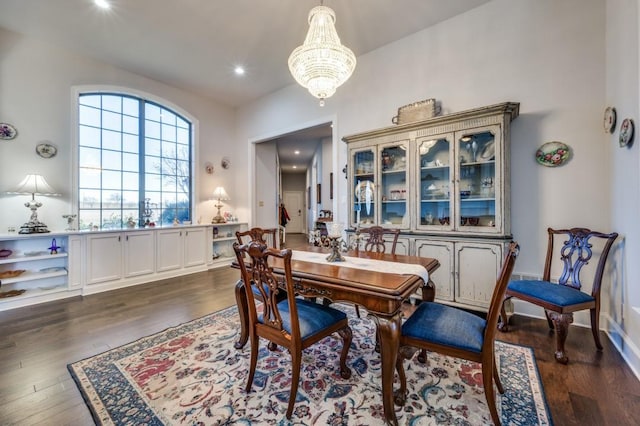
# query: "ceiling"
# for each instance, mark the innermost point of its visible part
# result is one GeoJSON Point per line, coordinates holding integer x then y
{"type": "Point", "coordinates": [196, 44]}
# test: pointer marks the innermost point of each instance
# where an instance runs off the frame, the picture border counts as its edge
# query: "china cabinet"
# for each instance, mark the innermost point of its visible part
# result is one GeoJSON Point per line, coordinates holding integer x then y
{"type": "Point", "coordinates": [444, 182]}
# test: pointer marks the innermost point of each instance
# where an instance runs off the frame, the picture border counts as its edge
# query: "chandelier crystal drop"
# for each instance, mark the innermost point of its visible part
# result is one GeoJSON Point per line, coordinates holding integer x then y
{"type": "Point", "coordinates": [322, 64]}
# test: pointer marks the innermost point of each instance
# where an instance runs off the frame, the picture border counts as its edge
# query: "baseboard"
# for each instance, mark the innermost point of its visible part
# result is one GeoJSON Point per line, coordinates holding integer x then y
{"type": "Point", "coordinates": [625, 346]}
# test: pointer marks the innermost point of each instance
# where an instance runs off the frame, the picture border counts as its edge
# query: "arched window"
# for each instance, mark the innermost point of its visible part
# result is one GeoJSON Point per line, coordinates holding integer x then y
{"type": "Point", "coordinates": [134, 162]}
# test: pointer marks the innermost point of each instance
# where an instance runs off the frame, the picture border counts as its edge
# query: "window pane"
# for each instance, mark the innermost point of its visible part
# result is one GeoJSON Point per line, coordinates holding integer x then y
{"type": "Point", "coordinates": [182, 168]}
{"type": "Point", "coordinates": [168, 200]}
{"type": "Point", "coordinates": [90, 100]}
{"type": "Point", "coordinates": [111, 140]}
{"type": "Point", "coordinates": [168, 133]}
{"type": "Point", "coordinates": [168, 117]}
{"type": "Point", "coordinates": [112, 103]}
{"type": "Point", "coordinates": [168, 149]}
{"type": "Point", "coordinates": [183, 136]}
{"type": "Point", "coordinates": [111, 219]}
{"type": "Point", "coordinates": [130, 162]}
{"type": "Point", "coordinates": [88, 218]}
{"type": "Point", "coordinates": [152, 164]}
{"type": "Point", "coordinates": [111, 120]}
{"type": "Point", "coordinates": [152, 182]}
{"type": "Point", "coordinates": [130, 106]}
{"type": "Point", "coordinates": [89, 136]}
{"type": "Point", "coordinates": [111, 180]}
{"type": "Point", "coordinates": [182, 123]}
{"type": "Point", "coordinates": [168, 185]}
{"type": "Point", "coordinates": [111, 160]}
{"type": "Point", "coordinates": [89, 178]}
{"type": "Point", "coordinates": [130, 125]}
{"type": "Point", "coordinates": [89, 116]}
{"type": "Point", "coordinates": [130, 143]}
{"type": "Point", "coordinates": [168, 166]}
{"type": "Point", "coordinates": [152, 112]}
{"type": "Point", "coordinates": [152, 147]}
{"type": "Point", "coordinates": [130, 200]}
{"type": "Point", "coordinates": [130, 181]}
{"type": "Point", "coordinates": [89, 199]}
{"type": "Point", "coordinates": [152, 129]}
{"type": "Point", "coordinates": [90, 158]}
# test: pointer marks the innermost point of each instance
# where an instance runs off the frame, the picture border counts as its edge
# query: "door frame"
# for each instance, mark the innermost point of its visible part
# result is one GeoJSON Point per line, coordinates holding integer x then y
{"type": "Point", "coordinates": [276, 134]}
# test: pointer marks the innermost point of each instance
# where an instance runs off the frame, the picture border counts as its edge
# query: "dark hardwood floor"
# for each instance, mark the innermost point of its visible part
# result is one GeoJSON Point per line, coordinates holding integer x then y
{"type": "Point", "coordinates": [37, 343]}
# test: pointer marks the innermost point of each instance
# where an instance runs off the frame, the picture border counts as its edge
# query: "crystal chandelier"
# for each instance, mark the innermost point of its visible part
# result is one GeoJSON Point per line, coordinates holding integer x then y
{"type": "Point", "coordinates": [322, 64]}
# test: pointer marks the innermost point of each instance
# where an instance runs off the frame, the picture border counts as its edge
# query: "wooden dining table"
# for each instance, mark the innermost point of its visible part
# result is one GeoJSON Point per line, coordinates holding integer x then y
{"type": "Point", "coordinates": [381, 293]}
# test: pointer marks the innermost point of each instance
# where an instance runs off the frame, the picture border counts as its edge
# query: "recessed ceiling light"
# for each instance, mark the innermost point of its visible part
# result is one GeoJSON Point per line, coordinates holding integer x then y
{"type": "Point", "coordinates": [104, 4]}
{"type": "Point", "coordinates": [239, 70]}
{"type": "Point", "coordinates": [295, 167]}
{"type": "Point", "coordinates": [296, 152]}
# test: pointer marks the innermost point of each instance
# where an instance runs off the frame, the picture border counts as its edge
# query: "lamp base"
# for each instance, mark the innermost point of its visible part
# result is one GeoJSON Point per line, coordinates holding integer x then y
{"type": "Point", "coordinates": [33, 228]}
{"type": "Point", "coordinates": [218, 219]}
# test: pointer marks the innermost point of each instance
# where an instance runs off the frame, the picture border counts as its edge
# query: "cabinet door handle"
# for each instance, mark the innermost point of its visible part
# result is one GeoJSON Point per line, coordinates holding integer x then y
{"type": "Point", "coordinates": [118, 238]}
{"type": "Point", "coordinates": [127, 237]}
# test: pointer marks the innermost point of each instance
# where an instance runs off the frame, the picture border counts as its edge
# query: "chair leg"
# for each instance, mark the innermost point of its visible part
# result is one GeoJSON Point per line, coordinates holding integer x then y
{"type": "Point", "coordinates": [296, 361]}
{"type": "Point", "coordinates": [489, 393]}
{"type": "Point", "coordinates": [595, 327]}
{"type": "Point", "coordinates": [561, 325]}
{"type": "Point", "coordinates": [347, 336]}
{"type": "Point", "coordinates": [549, 320]}
{"type": "Point", "coordinates": [253, 360]}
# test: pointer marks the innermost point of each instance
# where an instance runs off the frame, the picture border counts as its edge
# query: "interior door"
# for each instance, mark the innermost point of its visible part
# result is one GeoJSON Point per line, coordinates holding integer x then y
{"type": "Point", "coordinates": [294, 203]}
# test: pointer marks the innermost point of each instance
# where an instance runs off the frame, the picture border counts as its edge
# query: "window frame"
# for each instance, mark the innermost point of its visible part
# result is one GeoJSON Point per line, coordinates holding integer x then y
{"type": "Point", "coordinates": [78, 91]}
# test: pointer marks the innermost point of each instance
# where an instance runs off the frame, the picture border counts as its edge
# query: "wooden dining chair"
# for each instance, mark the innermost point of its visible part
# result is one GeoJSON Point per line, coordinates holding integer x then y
{"type": "Point", "coordinates": [377, 237]}
{"type": "Point", "coordinates": [265, 235]}
{"type": "Point", "coordinates": [458, 333]}
{"type": "Point", "coordinates": [293, 323]}
{"type": "Point", "coordinates": [560, 300]}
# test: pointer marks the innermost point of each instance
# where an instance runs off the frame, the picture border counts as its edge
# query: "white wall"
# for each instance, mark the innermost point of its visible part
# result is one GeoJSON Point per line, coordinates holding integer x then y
{"type": "Point", "coordinates": [554, 57]}
{"type": "Point", "coordinates": [36, 81]}
{"type": "Point", "coordinates": [623, 92]}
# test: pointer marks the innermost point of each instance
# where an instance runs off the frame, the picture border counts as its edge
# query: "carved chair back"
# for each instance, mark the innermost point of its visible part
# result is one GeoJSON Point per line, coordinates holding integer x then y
{"type": "Point", "coordinates": [375, 239]}
{"type": "Point", "coordinates": [264, 235]}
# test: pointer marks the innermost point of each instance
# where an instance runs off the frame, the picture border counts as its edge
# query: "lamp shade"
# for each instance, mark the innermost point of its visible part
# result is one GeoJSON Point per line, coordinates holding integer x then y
{"type": "Point", "coordinates": [34, 184]}
{"type": "Point", "coordinates": [220, 194]}
{"type": "Point", "coordinates": [322, 63]}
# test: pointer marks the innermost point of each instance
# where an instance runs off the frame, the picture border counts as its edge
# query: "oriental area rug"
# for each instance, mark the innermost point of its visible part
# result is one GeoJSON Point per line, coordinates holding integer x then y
{"type": "Point", "coordinates": [192, 375]}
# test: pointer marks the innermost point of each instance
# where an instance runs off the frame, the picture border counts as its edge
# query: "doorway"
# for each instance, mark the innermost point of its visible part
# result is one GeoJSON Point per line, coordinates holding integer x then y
{"type": "Point", "coordinates": [295, 205]}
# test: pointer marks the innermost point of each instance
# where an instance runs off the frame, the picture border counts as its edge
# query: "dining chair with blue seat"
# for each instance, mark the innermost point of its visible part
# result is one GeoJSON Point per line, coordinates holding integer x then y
{"type": "Point", "coordinates": [292, 323]}
{"type": "Point", "coordinates": [457, 333]}
{"type": "Point", "coordinates": [562, 298]}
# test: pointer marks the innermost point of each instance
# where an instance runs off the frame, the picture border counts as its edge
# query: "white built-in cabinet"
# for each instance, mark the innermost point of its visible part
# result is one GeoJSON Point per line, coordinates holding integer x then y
{"type": "Point", "coordinates": [445, 183]}
{"type": "Point", "coordinates": [92, 262]}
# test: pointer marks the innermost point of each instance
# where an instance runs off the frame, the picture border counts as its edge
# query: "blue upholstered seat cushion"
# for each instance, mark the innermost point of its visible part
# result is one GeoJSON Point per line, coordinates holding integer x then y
{"type": "Point", "coordinates": [313, 317]}
{"type": "Point", "coordinates": [557, 294]}
{"type": "Point", "coordinates": [445, 325]}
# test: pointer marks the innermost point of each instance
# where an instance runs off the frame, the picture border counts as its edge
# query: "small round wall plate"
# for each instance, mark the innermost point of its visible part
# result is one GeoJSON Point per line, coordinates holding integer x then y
{"type": "Point", "coordinates": [553, 154]}
{"type": "Point", "coordinates": [7, 131]}
{"type": "Point", "coordinates": [225, 163]}
{"type": "Point", "coordinates": [609, 119]}
{"type": "Point", "coordinates": [46, 150]}
{"type": "Point", "coordinates": [626, 132]}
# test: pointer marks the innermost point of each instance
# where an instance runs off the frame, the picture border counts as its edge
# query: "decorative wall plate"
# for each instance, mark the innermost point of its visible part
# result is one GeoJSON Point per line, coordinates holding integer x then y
{"type": "Point", "coordinates": [208, 167]}
{"type": "Point", "coordinates": [609, 119]}
{"type": "Point", "coordinates": [626, 132]}
{"type": "Point", "coordinates": [225, 163]}
{"type": "Point", "coordinates": [553, 154]}
{"type": "Point", "coordinates": [489, 151]}
{"type": "Point", "coordinates": [7, 131]}
{"type": "Point", "coordinates": [46, 150]}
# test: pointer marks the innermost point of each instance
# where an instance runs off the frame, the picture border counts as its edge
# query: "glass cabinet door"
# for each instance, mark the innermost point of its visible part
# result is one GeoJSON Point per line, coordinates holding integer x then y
{"type": "Point", "coordinates": [393, 186]}
{"type": "Point", "coordinates": [434, 188]}
{"type": "Point", "coordinates": [477, 180]}
{"type": "Point", "coordinates": [364, 191]}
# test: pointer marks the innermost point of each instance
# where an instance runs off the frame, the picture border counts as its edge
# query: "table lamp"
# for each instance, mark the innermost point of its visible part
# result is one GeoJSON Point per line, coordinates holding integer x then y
{"type": "Point", "coordinates": [221, 195]}
{"type": "Point", "coordinates": [32, 185]}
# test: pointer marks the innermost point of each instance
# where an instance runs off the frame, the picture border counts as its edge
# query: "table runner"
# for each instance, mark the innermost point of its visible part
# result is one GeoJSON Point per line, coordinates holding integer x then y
{"type": "Point", "coordinates": [368, 264]}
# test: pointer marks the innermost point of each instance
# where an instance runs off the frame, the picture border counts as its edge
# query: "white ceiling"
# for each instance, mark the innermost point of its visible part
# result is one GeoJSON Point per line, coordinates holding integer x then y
{"type": "Point", "coordinates": [195, 44]}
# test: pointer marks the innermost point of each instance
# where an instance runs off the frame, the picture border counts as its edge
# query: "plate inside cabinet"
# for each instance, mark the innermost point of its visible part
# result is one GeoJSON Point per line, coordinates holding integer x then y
{"type": "Point", "coordinates": [5, 253]}
{"type": "Point", "coordinates": [626, 132]}
{"type": "Point", "coordinates": [609, 119]}
{"type": "Point", "coordinates": [46, 150]}
{"type": "Point", "coordinates": [489, 151]}
{"type": "Point", "coordinates": [11, 274]}
{"type": "Point", "coordinates": [553, 154]}
{"type": "Point", "coordinates": [7, 131]}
